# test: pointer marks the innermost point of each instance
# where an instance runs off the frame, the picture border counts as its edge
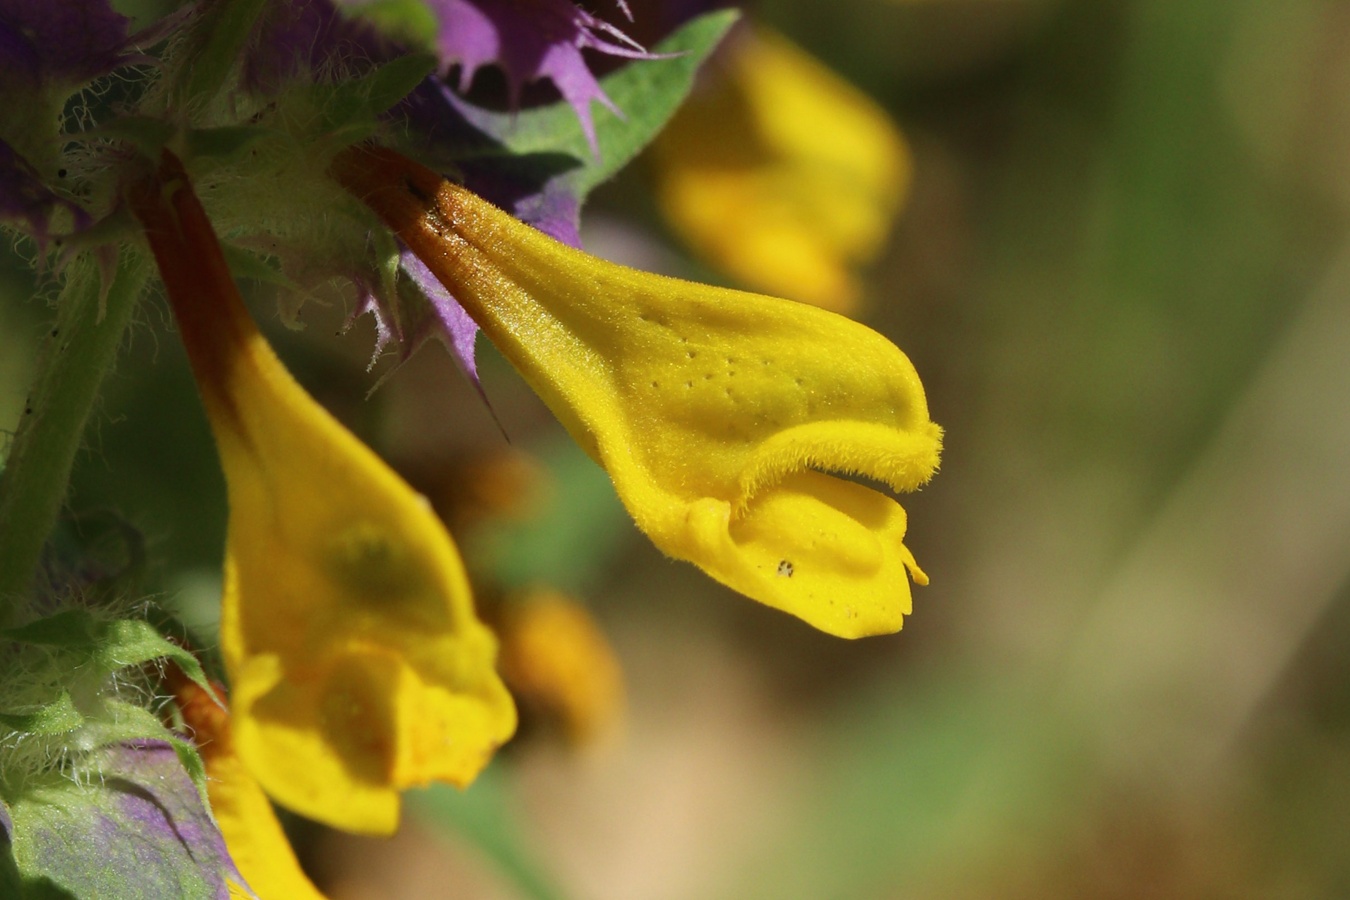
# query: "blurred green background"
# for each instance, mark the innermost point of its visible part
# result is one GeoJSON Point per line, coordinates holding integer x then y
{"type": "Point", "coordinates": [1124, 277]}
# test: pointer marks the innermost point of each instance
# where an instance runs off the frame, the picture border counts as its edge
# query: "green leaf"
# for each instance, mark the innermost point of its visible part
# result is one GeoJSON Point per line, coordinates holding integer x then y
{"type": "Point", "coordinates": [130, 642]}
{"type": "Point", "coordinates": [394, 80]}
{"type": "Point", "coordinates": [648, 92]}
{"type": "Point", "coordinates": [122, 723]}
{"type": "Point", "coordinates": [71, 628]}
{"type": "Point", "coordinates": [408, 21]}
{"type": "Point", "coordinates": [219, 35]}
{"type": "Point", "coordinates": [132, 826]}
{"type": "Point", "coordinates": [193, 764]}
{"type": "Point", "coordinates": [247, 264]}
{"type": "Point", "coordinates": [224, 141]}
{"type": "Point", "coordinates": [178, 633]}
{"type": "Point", "coordinates": [355, 103]}
{"type": "Point", "coordinates": [128, 723]}
{"type": "Point", "coordinates": [111, 644]}
{"type": "Point", "coordinates": [146, 134]}
{"type": "Point", "coordinates": [58, 717]}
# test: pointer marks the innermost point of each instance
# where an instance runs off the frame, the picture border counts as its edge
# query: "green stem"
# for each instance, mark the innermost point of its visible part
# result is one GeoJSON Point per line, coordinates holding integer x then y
{"type": "Point", "coordinates": [223, 35]}
{"type": "Point", "coordinates": [82, 348]}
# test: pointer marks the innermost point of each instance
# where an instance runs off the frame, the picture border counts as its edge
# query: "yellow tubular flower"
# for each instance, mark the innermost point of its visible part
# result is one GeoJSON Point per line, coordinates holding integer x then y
{"type": "Point", "coordinates": [356, 663]}
{"type": "Point", "coordinates": [717, 413]}
{"type": "Point", "coordinates": [781, 173]}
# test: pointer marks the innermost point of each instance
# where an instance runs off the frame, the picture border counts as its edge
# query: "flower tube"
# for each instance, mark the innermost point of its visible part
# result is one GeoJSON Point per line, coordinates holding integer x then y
{"type": "Point", "coordinates": [356, 663]}
{"type": "Point", "coordinates": [721, 416]}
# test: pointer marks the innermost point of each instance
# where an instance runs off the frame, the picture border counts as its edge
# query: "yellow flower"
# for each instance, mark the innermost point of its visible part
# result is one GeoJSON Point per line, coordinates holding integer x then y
{"type": "Point", "coordinates": [716, 413]}
{"type": "Point", "coordinates": [781, 173]}
{"type": "Point", "coordinates": [356, 663]}
{"type": "Point", "coordinates": [257, 844]}
{"type": "Point", "coordinates": [558, 661]}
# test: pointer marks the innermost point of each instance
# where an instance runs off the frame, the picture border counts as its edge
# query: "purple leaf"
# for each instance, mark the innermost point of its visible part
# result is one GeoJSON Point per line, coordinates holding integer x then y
{"type": "Point", "coordinates": [71, 41]}
{"type": "Point", "coordinates": [304, 36]}
{"type": "Point", "coordinates": [548, 204]}
{"type": "Point", "coordinates": [532, 187]}
{"type": "Point", "coordinates": [447, 319]}
{"type": "Point", "coordinates": [138, 827]}
{"type": "Point", "coordinates": [531, 40]}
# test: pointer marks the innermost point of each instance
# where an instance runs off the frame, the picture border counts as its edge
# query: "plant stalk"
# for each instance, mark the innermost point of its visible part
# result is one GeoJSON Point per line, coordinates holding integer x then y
{"type": "Point", "coordinates": [80, 351]}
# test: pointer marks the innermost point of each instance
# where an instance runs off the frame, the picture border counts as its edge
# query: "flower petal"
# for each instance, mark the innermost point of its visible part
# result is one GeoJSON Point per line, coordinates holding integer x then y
{"type": "Point", "coordinates": [711, 409]}
{"type": "Point", "coordinates": [357, 664]}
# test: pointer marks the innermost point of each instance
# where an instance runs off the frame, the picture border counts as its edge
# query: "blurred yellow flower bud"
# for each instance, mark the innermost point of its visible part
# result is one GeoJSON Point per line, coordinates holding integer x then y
{"type": "Point", "coordinates": [717, 413]}
{"type": "Point", "coordinates": [557, 661]}
{"type": "Point", "coordinates": [357, 666]}
{"type": "Point", "coordinates": [781, 173]}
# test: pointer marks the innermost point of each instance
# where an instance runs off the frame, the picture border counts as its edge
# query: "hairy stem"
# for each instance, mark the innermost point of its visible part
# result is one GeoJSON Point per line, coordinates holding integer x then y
{"type": "Point", "coordinates": [80, 351]}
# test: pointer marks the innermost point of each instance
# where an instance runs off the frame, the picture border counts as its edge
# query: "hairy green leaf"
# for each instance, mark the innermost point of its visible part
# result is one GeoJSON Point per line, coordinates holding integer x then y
{"type": "Point", "coordinates": [58, 717]}
{"type": "Point", "coordinates": [110, 644]}
{"type": "Point", "coordinates": [133, 825]}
